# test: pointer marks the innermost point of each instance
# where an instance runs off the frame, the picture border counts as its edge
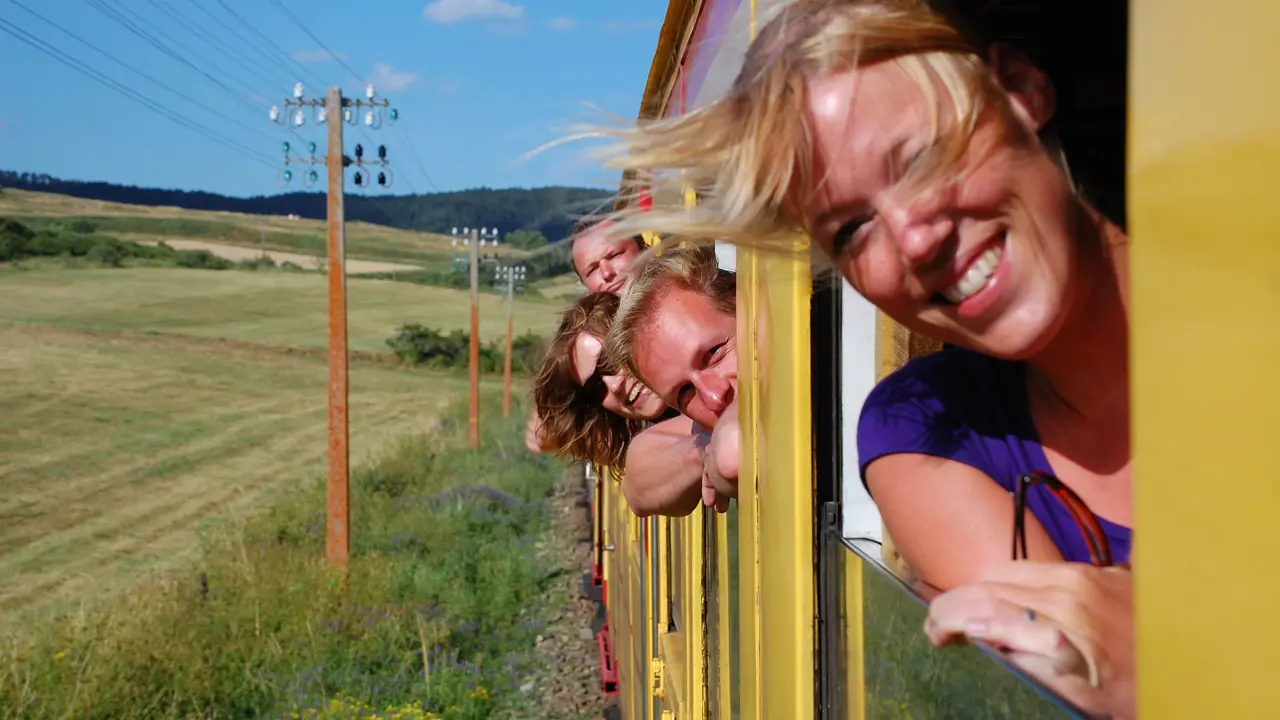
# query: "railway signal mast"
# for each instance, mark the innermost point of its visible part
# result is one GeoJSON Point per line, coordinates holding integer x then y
{"type": "Point", "coordinates": [335, 111]}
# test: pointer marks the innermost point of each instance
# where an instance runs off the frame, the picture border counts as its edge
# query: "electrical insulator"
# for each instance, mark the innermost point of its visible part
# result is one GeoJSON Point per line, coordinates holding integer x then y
{"type": "Point", "coordinates": [286, 147]}
{"type": "Point", "coordinates": [359, 152]}
{"type": "Point", "coordinates": [299, 118]}
{"type": "Point", "coordinates": [382, 152]}
{"type": "Point", "coordinates": [454, 231]}
{"type": "Point", "coordinates": [321, 115]}
{"type": "Point", "coordinates": [313, 176]}
{"type": "Point", "coordinates": [274, 114]}
{"type": "Point", "coordinates": [346, 114]}
{"type": "Point", "coordinates": [311, 147]}
{"type": "Point", "coordinates": [368, 118]}
{"type": "Point", "coordinates": [394, 114]}
{"type": "Point", "coordinates": [368, 91]}
{"type": "Point", "coordinates": [297, 91]}
{"type": "Point", "coordinates": [288, 175]}
{"type": "Point", "coordinates": [382, 179]}
{"type": "Point", "coordinates": [359, 180]}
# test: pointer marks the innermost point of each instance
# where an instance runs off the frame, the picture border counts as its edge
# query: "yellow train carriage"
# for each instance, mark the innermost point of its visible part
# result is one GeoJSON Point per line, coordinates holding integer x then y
{"type": "Point", "coordinates": [790, 606]}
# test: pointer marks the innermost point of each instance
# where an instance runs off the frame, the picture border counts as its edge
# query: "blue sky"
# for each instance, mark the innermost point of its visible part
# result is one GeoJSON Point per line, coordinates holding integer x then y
{"type": "Point", "coordinates": [478, 83]}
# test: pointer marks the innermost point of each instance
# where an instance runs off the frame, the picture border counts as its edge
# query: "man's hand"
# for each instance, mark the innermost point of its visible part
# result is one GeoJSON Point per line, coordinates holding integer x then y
{"type": "Point", "coordinates": [720, 461]}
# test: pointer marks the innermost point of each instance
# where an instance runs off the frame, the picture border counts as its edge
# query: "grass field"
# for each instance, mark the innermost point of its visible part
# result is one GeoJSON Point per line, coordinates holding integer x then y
{"type": "Point", "coordinates": [266, 307]}
{"type": "Point", "coordinates": [114, 451]}
{"type": "Point", "coordinates": [437, 619]}
{"type": "Point", "coordinates": [143, 223]}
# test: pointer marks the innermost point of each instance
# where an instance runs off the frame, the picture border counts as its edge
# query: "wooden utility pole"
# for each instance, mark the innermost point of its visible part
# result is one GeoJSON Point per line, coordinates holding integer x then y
{"type": "Point", "coordinates": [334, 111]}
{"type": "Point", "coordinates": [512, 273]}
{"type": "Point", "coordinates": [475, 339]}
{"type": "Point", "coordinates": [337, 528]}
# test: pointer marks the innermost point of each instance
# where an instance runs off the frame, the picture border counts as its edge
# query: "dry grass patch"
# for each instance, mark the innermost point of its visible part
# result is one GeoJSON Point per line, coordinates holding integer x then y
{"type": "Point", "coordinates": [114, 452]}
{"type": "Point", "coordinates": [275, 308]}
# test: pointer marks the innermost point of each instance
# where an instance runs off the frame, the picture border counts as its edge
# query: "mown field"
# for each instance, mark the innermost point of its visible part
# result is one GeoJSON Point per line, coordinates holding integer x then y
{"type": "Point", "coordinates": [266, 307]}
{"type": "Point", "coordinates": [162, 456]}
{"type": "Point", "coordinates": [116, 449]}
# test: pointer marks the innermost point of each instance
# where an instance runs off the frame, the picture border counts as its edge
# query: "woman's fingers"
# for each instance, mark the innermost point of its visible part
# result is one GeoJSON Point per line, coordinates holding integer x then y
{"type": "Point", "coordinates": [1039, 637]}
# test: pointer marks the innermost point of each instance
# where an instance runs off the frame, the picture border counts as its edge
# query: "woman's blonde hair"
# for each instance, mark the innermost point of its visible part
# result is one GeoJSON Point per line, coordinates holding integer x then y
{"type": "Point", "coordinates": [573, 422]}
{"type": "Point", "coordinates": [748, 153]}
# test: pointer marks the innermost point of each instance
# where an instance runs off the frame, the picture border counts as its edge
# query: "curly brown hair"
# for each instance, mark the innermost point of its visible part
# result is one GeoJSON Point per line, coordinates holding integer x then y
{"type": "Point", "coordinates": [573, 421]}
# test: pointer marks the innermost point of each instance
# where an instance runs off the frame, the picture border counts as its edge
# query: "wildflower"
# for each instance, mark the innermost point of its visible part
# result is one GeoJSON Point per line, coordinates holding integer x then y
{"type": "Point", "coordinates": [60, 655]}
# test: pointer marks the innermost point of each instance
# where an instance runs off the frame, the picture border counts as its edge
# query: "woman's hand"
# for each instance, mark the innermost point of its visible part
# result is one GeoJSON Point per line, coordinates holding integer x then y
{"type": "Point", "coordinates": [1069, 625]}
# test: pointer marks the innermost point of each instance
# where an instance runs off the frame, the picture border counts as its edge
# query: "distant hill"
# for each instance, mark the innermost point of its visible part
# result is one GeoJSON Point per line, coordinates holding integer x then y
{"type": "Point", "coordinates": [550, 210]}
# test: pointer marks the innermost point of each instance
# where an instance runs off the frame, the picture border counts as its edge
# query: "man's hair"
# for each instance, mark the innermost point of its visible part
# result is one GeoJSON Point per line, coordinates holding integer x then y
{"type": "Point", "coordinates": [687, 268]}
{"type": "Point", "coordinates": [574, 423]}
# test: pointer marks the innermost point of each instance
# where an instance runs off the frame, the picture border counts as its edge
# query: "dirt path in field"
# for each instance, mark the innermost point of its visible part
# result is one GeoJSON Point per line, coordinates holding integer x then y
{"type": "Point", "coordinates": [569, 687]}
{"type": "Point", "coordinates": [308, 262]}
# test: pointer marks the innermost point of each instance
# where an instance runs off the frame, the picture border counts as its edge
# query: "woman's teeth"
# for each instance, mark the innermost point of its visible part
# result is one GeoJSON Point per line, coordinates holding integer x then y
{"type": "Point", "coordinates": [635, 393]}
{"type": "Point", "coordinates": [976, 277]}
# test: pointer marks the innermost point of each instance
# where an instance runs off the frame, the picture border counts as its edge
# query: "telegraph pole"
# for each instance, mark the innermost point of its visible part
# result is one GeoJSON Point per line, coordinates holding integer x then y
{"type": "Point", "coordinates": [473, 238]}
{"type": "Point", "coordinates": [511, 273]}
{"type": "Point", "coordinates": [335, 111]}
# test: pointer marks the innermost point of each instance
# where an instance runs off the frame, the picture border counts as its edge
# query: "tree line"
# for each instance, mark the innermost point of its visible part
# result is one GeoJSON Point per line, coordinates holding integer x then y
{"type": "Point", "coordinates": [550, 211]}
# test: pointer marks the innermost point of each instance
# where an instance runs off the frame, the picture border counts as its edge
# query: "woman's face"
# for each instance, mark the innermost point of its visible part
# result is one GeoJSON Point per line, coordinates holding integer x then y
{"type": "Point", "coordinates": [983, 256]}
{"type": "Point", "coordinates": [621, 395]}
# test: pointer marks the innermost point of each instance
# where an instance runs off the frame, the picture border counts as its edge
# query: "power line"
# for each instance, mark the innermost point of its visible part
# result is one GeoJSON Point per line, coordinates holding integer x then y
{"type": "Point", "coordinates": [312, 35]}
{"type": "Point", "coordinates": [264, 38]}
{"type": "Point", "coordinates": [413, 152]}
{"type": "Point", "coordinates": [209, 39]}
{"type": "Point", "coordinates": [111, 12]}
{"type": "Point", "coordinates": [289, 72]}
{"type": "Point", "coordinates": [118, 61]}
{"type": "Point", "coordinates": [44, 47]}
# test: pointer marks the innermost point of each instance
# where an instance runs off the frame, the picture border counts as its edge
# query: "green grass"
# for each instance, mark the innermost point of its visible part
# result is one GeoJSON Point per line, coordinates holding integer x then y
{"type": "Point", "coordinates": [115, 449]}
{"type": "Point", "coordinates": [266, 307]}
{"type": "Point", "coordinates": [437, 618]}
{"type": "Point", "coordinates": [909, 679]}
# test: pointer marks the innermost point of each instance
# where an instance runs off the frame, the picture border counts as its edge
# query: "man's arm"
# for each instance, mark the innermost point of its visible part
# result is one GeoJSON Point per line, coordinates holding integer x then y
{"type": "Point", "coordinates": [664, 470]}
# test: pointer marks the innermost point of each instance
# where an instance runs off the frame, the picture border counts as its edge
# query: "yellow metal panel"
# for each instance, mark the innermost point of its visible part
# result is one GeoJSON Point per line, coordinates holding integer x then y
{"type": "Point", "coordinates": [749, 632]}
{"type": "Point", "coordinates": [748, 506]}
{"type": "Point", "coordinates": [1204, 166]}
{"type": "Point", "coordinates": [722, 622]}
{"type": "Point", "coordinates": [786, 489]}
{"type": "Point", "coordinates": [694, 633]}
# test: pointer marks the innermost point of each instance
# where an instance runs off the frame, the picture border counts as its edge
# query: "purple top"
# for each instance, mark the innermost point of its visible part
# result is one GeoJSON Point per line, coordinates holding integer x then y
{"type": "Point", "coordinates": [972, 408]}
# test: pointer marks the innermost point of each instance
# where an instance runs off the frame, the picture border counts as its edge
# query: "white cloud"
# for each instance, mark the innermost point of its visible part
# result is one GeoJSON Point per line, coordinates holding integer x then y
{"type": "Point", "coordinates": [387, 79]}
{"type": "Point", "coordinates": [447, 12]}
{"type": "Point", "coordinates": [563, 24]}
{"type": "Point", "coordinates": [316, 56]}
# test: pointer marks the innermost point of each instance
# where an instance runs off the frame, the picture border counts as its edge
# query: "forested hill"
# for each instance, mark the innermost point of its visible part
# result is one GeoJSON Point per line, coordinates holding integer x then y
{"type": "Point", "coordinates": [550, 210]}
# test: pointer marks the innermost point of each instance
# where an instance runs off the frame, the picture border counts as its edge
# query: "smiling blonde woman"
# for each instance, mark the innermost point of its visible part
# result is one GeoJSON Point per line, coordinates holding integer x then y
{"type": "Point", "coordinates": [921, 162]}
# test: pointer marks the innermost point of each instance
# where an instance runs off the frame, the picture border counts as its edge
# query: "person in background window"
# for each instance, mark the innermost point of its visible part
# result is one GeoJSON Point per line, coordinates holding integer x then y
{"type": "Point", "coordinates": [602, 264]}
{"type": "Point", "coordinates": [924, 163]}
{"type": "Point", "coordinates": [676, 329]}
{"type": "Point", "coordinates": [593, 412]}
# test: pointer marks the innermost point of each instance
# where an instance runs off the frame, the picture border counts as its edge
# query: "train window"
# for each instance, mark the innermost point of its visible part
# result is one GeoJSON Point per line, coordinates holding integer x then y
{"type": "Point", "coordinates": [902, 675]}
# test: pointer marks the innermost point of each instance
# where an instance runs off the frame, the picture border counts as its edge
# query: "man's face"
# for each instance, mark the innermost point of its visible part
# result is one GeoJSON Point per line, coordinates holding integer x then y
{"type": "Point", "coordinates": [602, 263]}
{"type": "Point", "coordinates": [687, 353]}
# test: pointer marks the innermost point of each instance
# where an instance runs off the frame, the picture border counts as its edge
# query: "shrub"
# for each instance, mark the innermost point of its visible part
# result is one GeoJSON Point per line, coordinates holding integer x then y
{"type": "Point", "coordinates": [417, 344]}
